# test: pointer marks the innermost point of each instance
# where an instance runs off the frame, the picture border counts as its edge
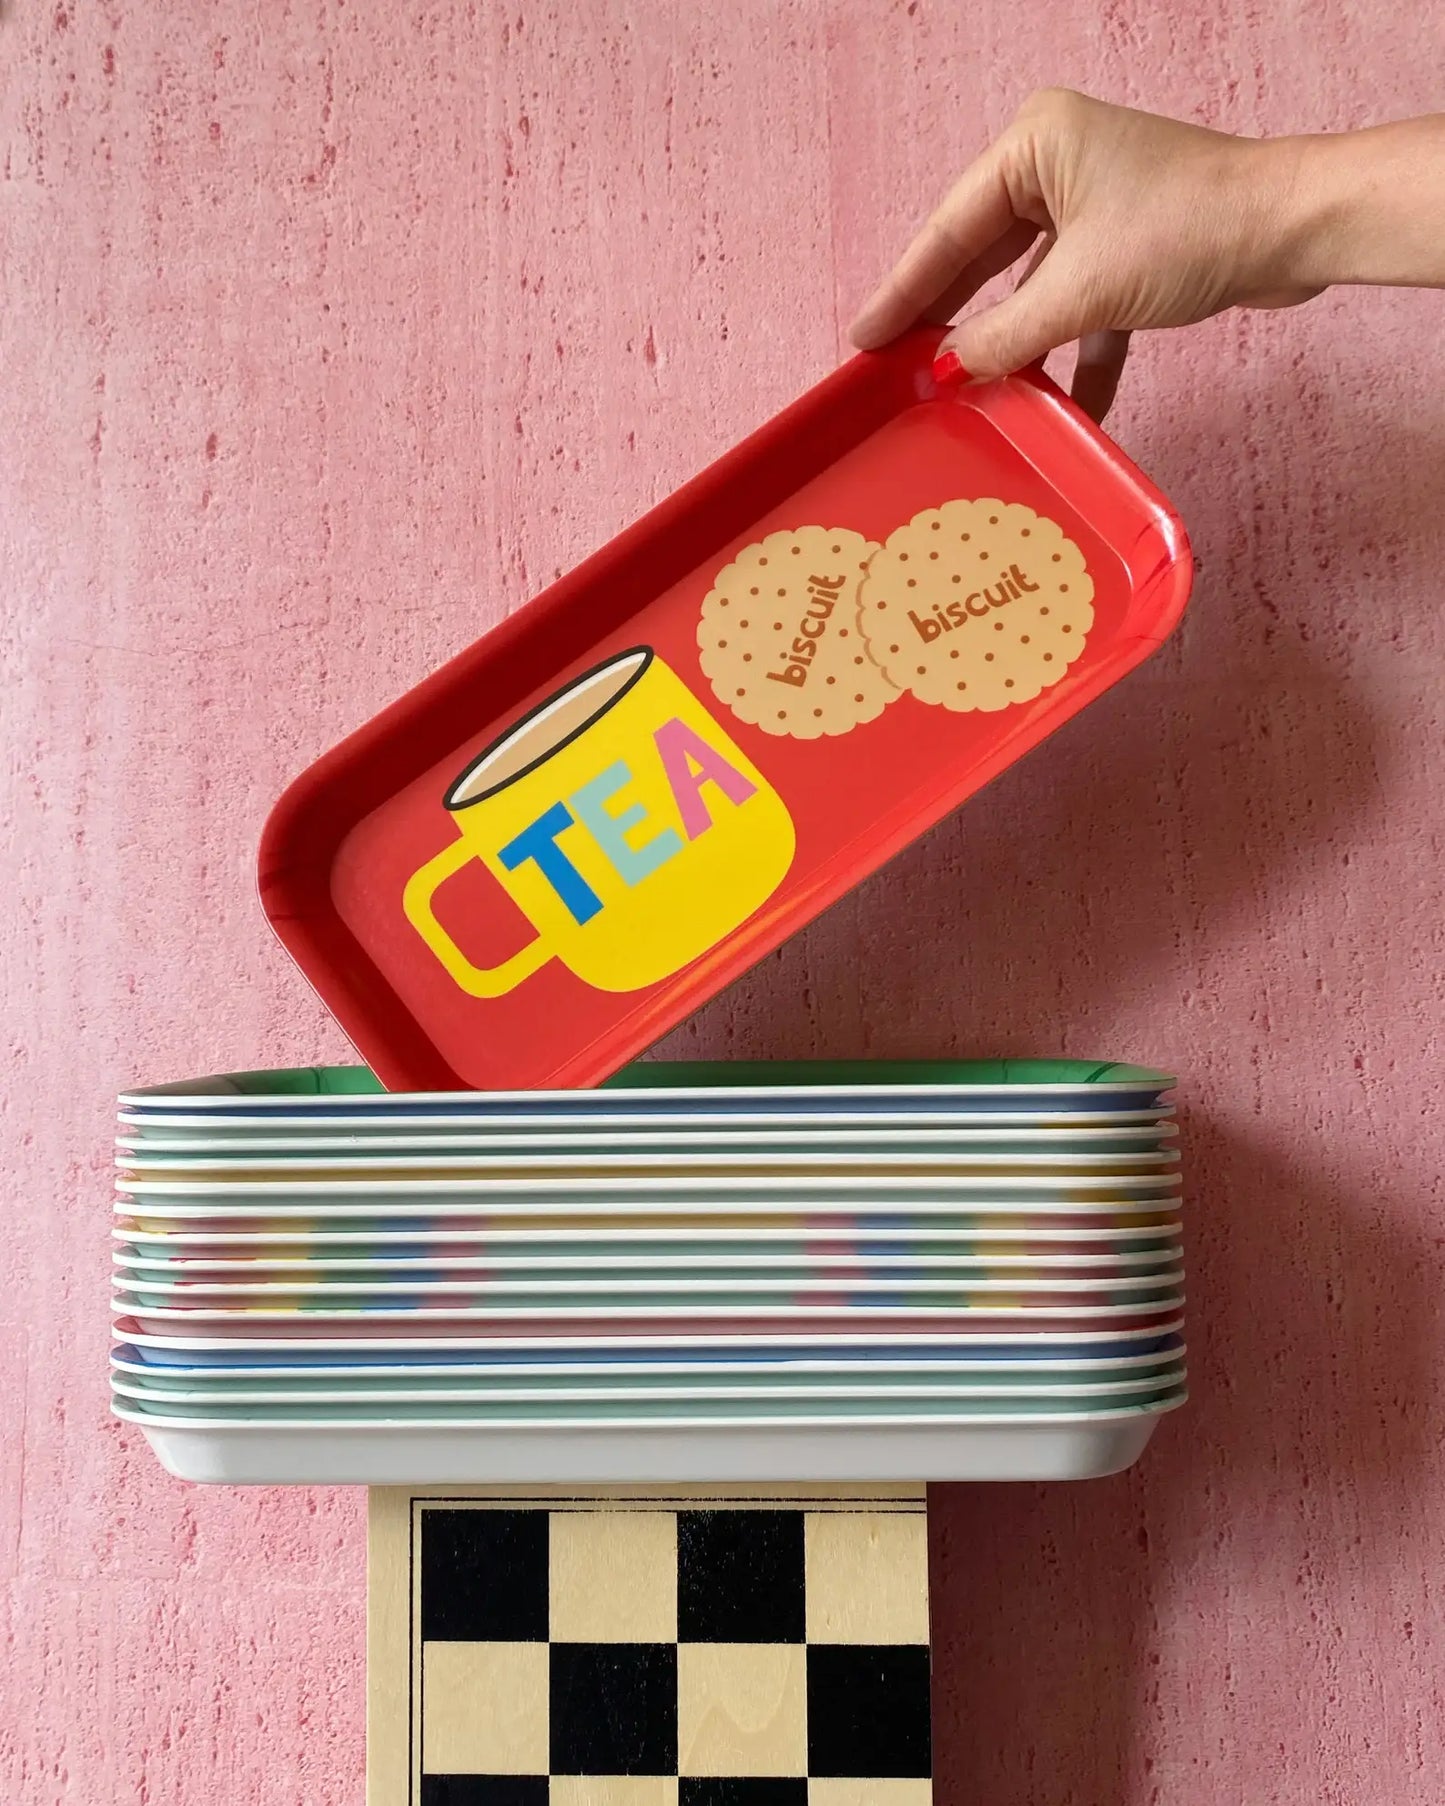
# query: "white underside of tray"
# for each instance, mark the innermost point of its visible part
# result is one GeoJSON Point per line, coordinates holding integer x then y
{"type": "Point", "coordinates": [362, 1455]}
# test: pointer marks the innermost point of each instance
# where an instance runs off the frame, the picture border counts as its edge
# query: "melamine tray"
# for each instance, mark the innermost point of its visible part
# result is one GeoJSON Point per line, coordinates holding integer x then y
{"type": "Point", "coordinates": [693, 1410]}
{"type": "Point", "coordinates": [565, 1405]}
{"type": "Point", "coordinates": [989, 1241]}
{"type": "Point", "coordinates": [1066, 1447]}
{"type": "Point", "coordinates": [781, 1258]}
{"type": "Point", "coordinates": [557, 847]}
{"type": "Point", "coordinates": [1025, 1375]}
{"type": "Point", "coordinates": [564, 1124]}
{"type": "Point", "coordinates": [1025, 1146]}
{"type": "Point", "coordinates": [671, 1188]}
{"type": "Point", "coordinates": [652, 1089]}
{"type": "Point", "coordinates": [561, 1292]}
{"type": "Point", "coordinates": [634, 1323]}
{"type": "Point", "coordinates": [179, 1346]}
{"type": "Point", "coordinates": [924, 1216]}
{"type": "Point", "coordinates": [1039, 1170]}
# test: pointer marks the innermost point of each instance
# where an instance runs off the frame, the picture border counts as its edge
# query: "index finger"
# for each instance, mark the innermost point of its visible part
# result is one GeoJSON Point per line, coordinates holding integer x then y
{"type": "Point", "coordinates": [975, 217]}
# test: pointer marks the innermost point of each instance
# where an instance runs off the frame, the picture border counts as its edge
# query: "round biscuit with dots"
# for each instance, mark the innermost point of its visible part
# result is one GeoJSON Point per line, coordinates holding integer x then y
{"type": "Point", "coordinates": [779, 635]}
{"type": "Point", "coordinates": [977, 605]}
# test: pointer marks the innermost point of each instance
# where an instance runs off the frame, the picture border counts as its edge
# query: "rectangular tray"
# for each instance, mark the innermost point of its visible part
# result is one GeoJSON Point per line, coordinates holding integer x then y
{"type": "Point", "coordinates": [669, 1093]}
{"type": "Point", "coordinates": [554, 849]}
{"type": "Point", "coordinates": [695, 1411]}
{"type": "Point", "coordinates": [990, 1243]}
{"type": "Point", "coordinates": [565, 1406]}
{"type": "Point", "coordinates": [902, 1255]}
{"type": "Point", "coordinates": [583, 1191]}
{"type": "Point", "coordinates": [635, 1323]}
{"type": "Point", "coordinates": [1068, 1448]}
{"type": "Point", "coordinates": [951, 1143]}
{"type": "Point", "coordinates": [187, 1348]}
{"type": "Point", "coordinates": [402, 1170]}
{"type": "Point", "coordinates": [583, 1290]}
{"type": "Point", "coordinates": [1023, 1372]}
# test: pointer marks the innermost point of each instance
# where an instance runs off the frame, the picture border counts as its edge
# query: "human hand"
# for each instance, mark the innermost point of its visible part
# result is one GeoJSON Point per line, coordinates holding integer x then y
{"type": "Point", "coordinates": [1134, 220]}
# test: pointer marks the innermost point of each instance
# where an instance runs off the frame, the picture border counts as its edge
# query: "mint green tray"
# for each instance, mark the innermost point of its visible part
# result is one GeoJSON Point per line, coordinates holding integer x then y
{"type": "Point", "coordinates": [1046, 1077]}
{"type": "Point", "coordinates": [951, 1407]}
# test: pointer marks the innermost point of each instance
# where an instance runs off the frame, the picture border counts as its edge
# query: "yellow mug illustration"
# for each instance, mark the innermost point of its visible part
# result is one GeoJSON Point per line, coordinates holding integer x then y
{"type": "Point", "coordinates": [623, 822]}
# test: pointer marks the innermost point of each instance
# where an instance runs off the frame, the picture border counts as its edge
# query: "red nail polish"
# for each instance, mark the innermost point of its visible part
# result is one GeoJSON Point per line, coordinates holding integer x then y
{"type": "Point", "coordinates": [947, 368]}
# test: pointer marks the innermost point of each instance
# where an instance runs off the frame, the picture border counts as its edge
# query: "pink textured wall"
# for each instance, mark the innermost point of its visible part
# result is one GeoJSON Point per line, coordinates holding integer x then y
{"type": "Point", "coordinates": [329, 332]}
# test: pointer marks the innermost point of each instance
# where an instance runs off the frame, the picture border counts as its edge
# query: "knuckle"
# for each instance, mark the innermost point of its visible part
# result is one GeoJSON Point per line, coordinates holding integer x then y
{"type": "Point", "coordinates": [1053, 106]}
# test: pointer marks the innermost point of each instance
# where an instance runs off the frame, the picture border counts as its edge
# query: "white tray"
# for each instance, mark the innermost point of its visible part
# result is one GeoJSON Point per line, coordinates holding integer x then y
{"type": "Point", "coordinates": [354, 1454]}
{"type": "Point", "coordinates": [723, 1137]}
{"type": "Point", "coordinates": [867, 1163]}
{"type": "Point", "coordinates": [953, 1269]}
{"type": "Point", "coordinates": [1064, 1396]}
{"type": "Point", "coordinates": [243, 1245]}
{"type": "Point", "coordinates": [1030, 1375]}
{"type": "Point", "coordinates": [583, 1285]}
{"type": "Point", "coordinates": [954, 1321]}
{"type": "Point", "coordinates": [191, 1128]}
{"type": "Point", "coordinates": [203, 1347]}
{"type": "Point", "coordinates": [420, 1199]}
{"type": "Point", "coordinates": [236, 1091]}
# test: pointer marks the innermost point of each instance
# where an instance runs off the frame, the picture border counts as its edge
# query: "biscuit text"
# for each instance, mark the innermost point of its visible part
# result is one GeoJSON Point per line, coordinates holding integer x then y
{"type": "Point", "coordinates": [798, 658]}
{"type": "Point", "coordinates": [956, 614]}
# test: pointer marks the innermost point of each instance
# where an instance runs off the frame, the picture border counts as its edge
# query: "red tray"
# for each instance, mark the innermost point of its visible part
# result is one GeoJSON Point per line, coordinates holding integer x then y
{"type": "Point", "coordinates": [542, 858]}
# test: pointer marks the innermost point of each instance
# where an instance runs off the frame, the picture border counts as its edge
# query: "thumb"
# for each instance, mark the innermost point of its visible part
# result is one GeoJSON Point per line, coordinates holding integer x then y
{"type": "Point", "coordinates": [1041, 314]}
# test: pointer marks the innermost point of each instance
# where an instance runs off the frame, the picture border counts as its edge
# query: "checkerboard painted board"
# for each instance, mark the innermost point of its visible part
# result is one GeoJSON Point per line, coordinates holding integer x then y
{"type": "Point", "coordinates": [746, 1647]}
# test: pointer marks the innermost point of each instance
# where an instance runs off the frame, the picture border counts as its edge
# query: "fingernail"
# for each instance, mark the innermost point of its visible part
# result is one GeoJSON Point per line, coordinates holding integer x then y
{"type": "Point", "coordinates": [948, 367]}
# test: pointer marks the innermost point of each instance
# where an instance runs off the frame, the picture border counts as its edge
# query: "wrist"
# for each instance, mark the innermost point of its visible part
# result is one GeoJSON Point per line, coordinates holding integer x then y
{"type": "Point", "coordinates": [1305, 213]}
{"type": "Point", "coordinates": [1360, 207]}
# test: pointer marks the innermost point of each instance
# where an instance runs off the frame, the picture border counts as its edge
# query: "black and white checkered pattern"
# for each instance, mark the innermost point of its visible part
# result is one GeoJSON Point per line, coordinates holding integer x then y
{"type": "Point", "coordinates": [611, 1654]}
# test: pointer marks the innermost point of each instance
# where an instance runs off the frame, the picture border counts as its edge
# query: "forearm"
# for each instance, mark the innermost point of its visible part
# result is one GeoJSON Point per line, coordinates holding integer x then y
{"type": "Point", "coordinates": [1366, 207]}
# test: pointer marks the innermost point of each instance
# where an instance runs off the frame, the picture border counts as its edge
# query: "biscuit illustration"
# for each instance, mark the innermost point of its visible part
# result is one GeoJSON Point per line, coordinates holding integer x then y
{"type": "Point", "coordinates": [779, 635]}
{"type": "Point", "coordinates": [977, 605]}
